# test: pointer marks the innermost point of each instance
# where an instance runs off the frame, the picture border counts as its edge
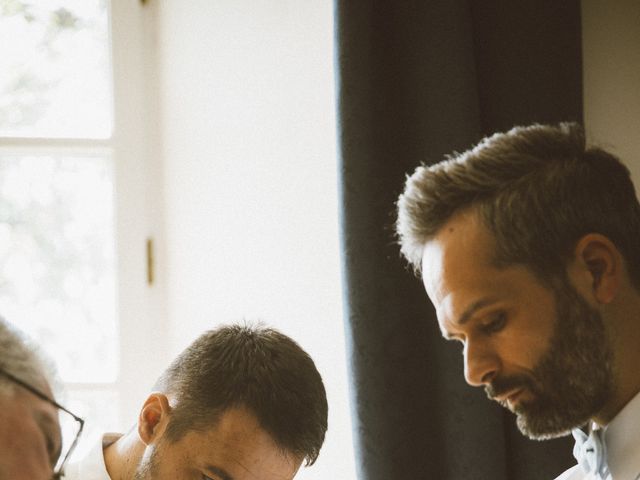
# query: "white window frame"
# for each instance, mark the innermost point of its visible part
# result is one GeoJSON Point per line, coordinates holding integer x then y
{"type": "Point", "coordinates": [134, 151]}
{"type": "Point", "coordinates": [139, 206]}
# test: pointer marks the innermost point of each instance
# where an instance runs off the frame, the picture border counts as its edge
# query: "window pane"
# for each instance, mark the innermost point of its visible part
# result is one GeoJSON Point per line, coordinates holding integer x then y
{"type": "Point", "coordinates": [99, 408]}
{"type": "Point", "coordinates": [54, 69]}
{"type": "Point", "coordinates": [57, 259]}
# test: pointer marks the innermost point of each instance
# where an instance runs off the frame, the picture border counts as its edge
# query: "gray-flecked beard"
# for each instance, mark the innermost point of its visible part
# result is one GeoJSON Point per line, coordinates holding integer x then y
{"type": "Point", "coordinates": [573, 380]}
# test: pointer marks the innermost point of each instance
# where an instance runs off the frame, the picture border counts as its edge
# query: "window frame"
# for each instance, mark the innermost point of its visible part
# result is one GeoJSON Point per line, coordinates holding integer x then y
{"type": "Point", "coordinates": [134, 152]}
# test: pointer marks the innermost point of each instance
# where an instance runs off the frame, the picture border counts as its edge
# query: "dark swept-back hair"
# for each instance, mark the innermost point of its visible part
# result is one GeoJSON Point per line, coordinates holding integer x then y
{"type": "Point", "coordinates": [538, 189]}
{"type": "Point", "coordinates": [250, 367]}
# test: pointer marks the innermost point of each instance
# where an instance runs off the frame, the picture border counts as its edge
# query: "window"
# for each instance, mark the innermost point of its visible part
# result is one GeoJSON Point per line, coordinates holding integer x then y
{"type": "Point", "coordinates": [244, 129]}
{"type": "Point", "coordinates": [57, 237]}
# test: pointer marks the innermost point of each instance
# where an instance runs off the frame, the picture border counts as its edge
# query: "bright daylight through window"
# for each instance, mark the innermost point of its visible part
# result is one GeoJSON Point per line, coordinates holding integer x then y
{"type": "Point", "coordinates": [57, 260]}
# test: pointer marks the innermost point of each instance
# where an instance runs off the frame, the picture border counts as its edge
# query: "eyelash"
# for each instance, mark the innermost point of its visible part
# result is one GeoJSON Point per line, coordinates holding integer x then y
{"type": "Point", "coordinates": [51, 446]}
{"type": "Point", "coordinates": [496, 324]}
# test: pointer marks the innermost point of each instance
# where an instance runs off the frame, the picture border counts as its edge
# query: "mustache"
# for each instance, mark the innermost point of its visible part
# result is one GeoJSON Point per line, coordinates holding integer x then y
{"type": "Point", "coordinates": [501, 385]}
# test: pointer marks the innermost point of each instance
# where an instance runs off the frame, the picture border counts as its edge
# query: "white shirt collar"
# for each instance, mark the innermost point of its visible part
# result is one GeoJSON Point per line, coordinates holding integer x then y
{"type": "Point", "coordinates": [622, 440]}
{"type": "Point", "coordinates": [92, 466]}
{"type": "Point", "coordinates": [622, 437]}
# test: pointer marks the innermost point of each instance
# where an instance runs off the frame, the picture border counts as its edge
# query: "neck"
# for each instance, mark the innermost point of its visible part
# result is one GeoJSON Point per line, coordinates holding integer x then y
{"type": "Point", "coordinates": [607, 414]}
{"type": "Point", "coordinates": [624, 335]}
{"type": "Point", "coordinates": [123, 456]}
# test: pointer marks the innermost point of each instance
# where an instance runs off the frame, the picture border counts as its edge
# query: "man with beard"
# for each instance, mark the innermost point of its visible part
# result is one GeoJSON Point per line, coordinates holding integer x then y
{"type": "Point", "coordinates": [528, 248]}
{"type": "Point", "coordinates": [240, 403]}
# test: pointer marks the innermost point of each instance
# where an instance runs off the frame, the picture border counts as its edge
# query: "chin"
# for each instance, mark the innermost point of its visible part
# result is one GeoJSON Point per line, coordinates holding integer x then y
{"type": "Point", "coordinates": [545, 428]}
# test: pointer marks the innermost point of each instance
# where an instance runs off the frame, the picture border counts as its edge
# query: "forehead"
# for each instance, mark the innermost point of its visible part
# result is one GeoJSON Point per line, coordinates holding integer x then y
{"type": "Point", "coordinates": [461, 252]}
{"type": "Point", "coordinates": [45, 414]}
{"type": "Point", "coordinates": [239, 446]}
{"type": "Point", "coordinates": [458, 267]}
{"type": "Point", "coordinates": [30, 401]}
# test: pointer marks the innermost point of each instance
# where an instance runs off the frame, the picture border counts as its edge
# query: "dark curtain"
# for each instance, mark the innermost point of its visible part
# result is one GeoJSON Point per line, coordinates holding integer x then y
{"type": "Point", "coordinates": [417, 80]}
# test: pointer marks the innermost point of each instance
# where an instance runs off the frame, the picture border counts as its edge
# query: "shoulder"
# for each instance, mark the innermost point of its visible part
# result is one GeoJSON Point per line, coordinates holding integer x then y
{"type": "Point", "coordinates": [91, 466]}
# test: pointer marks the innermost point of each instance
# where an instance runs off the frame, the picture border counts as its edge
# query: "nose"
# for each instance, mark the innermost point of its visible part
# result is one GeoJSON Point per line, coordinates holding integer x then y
{"type": "Point", "coordinates": [481, 363]}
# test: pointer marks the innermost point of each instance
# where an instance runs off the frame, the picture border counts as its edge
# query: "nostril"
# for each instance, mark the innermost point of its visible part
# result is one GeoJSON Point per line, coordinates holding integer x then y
{"type": "Point", "coordinates": [481, 363]}
{"type": "Point", "coordinates": [488, 377]}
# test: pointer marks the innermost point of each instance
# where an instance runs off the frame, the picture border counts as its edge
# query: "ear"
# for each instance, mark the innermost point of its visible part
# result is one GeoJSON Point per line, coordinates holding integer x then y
{"type": "Point", "coordinates": [154, 417]}
{"type": "Point", "coordinates": [598, 266]}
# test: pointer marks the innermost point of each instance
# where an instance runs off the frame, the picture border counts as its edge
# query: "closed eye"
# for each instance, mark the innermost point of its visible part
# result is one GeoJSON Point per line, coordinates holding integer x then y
{"type": "Point", "coordinates": [215, 473]}
{"type": "Point", "coordinates": [496, 323]}
{"type": "Point", "coordinates": [52, 449]}
{"type": "Point", "coordinates": [215, 477]}
{"type": "Point", "coordinates": [51, 434]}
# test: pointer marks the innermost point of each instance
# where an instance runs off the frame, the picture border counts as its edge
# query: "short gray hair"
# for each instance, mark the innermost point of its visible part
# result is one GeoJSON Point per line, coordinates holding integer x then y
{"type": "Point", "coordinates": [538, 189]}
{"type": "Point", "coordinates": [22, 358]}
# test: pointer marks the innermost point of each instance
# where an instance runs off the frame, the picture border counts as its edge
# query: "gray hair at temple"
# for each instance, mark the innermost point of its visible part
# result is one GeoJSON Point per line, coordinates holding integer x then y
{"type": "Point", "coordinates": [538, 189]}
{"type": "Point", "coordinates": [23, 359]}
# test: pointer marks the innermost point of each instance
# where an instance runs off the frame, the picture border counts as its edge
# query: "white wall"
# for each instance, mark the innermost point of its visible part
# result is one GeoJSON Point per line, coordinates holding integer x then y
{"type": "Point", "coordinates": [248, 138]}
{"type": "Point", "coordinates": [611, 55]}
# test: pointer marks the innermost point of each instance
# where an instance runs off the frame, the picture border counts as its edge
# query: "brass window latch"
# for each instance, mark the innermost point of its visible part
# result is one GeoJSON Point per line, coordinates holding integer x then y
{"type": "Point", "coordinates": [150, 262]}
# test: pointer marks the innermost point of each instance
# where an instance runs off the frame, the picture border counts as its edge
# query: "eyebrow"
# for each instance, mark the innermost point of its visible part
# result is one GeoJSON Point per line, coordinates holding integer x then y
{"type": "Point", "coordinates": [219, 472]}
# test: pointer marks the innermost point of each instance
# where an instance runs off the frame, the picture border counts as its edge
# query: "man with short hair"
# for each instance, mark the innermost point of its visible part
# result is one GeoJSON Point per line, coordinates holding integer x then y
{"type": "Point", "coordinates": [239, 403]}
{"type": "Point", "coordinates": [528, 248]}
{"type": "Point", "coordinates": [31, 446]}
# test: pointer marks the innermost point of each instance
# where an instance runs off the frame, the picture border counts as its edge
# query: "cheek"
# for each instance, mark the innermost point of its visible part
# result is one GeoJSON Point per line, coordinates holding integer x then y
{"type": "Point", "coordinates": [532, 333]}
{"type": "Point", "coordinates": [23, 453]}
{"type": "Point", "coordinates": [526, 348]}
{"type": "Point", "coordinates": [166, 463]}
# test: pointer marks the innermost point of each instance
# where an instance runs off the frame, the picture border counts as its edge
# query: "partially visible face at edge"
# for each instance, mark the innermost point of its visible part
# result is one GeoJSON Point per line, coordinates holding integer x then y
{"type": "Point", "coordinates": [540, 351]}
{"type": "Point", "coordinates": [237, 448]}
{"type": "Point", "coordinates": [29, 436]}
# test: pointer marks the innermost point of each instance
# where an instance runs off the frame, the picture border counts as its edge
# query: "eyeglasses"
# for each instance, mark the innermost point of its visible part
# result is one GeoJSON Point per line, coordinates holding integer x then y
{"type": "Point", "coordinates": [62, 460]}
